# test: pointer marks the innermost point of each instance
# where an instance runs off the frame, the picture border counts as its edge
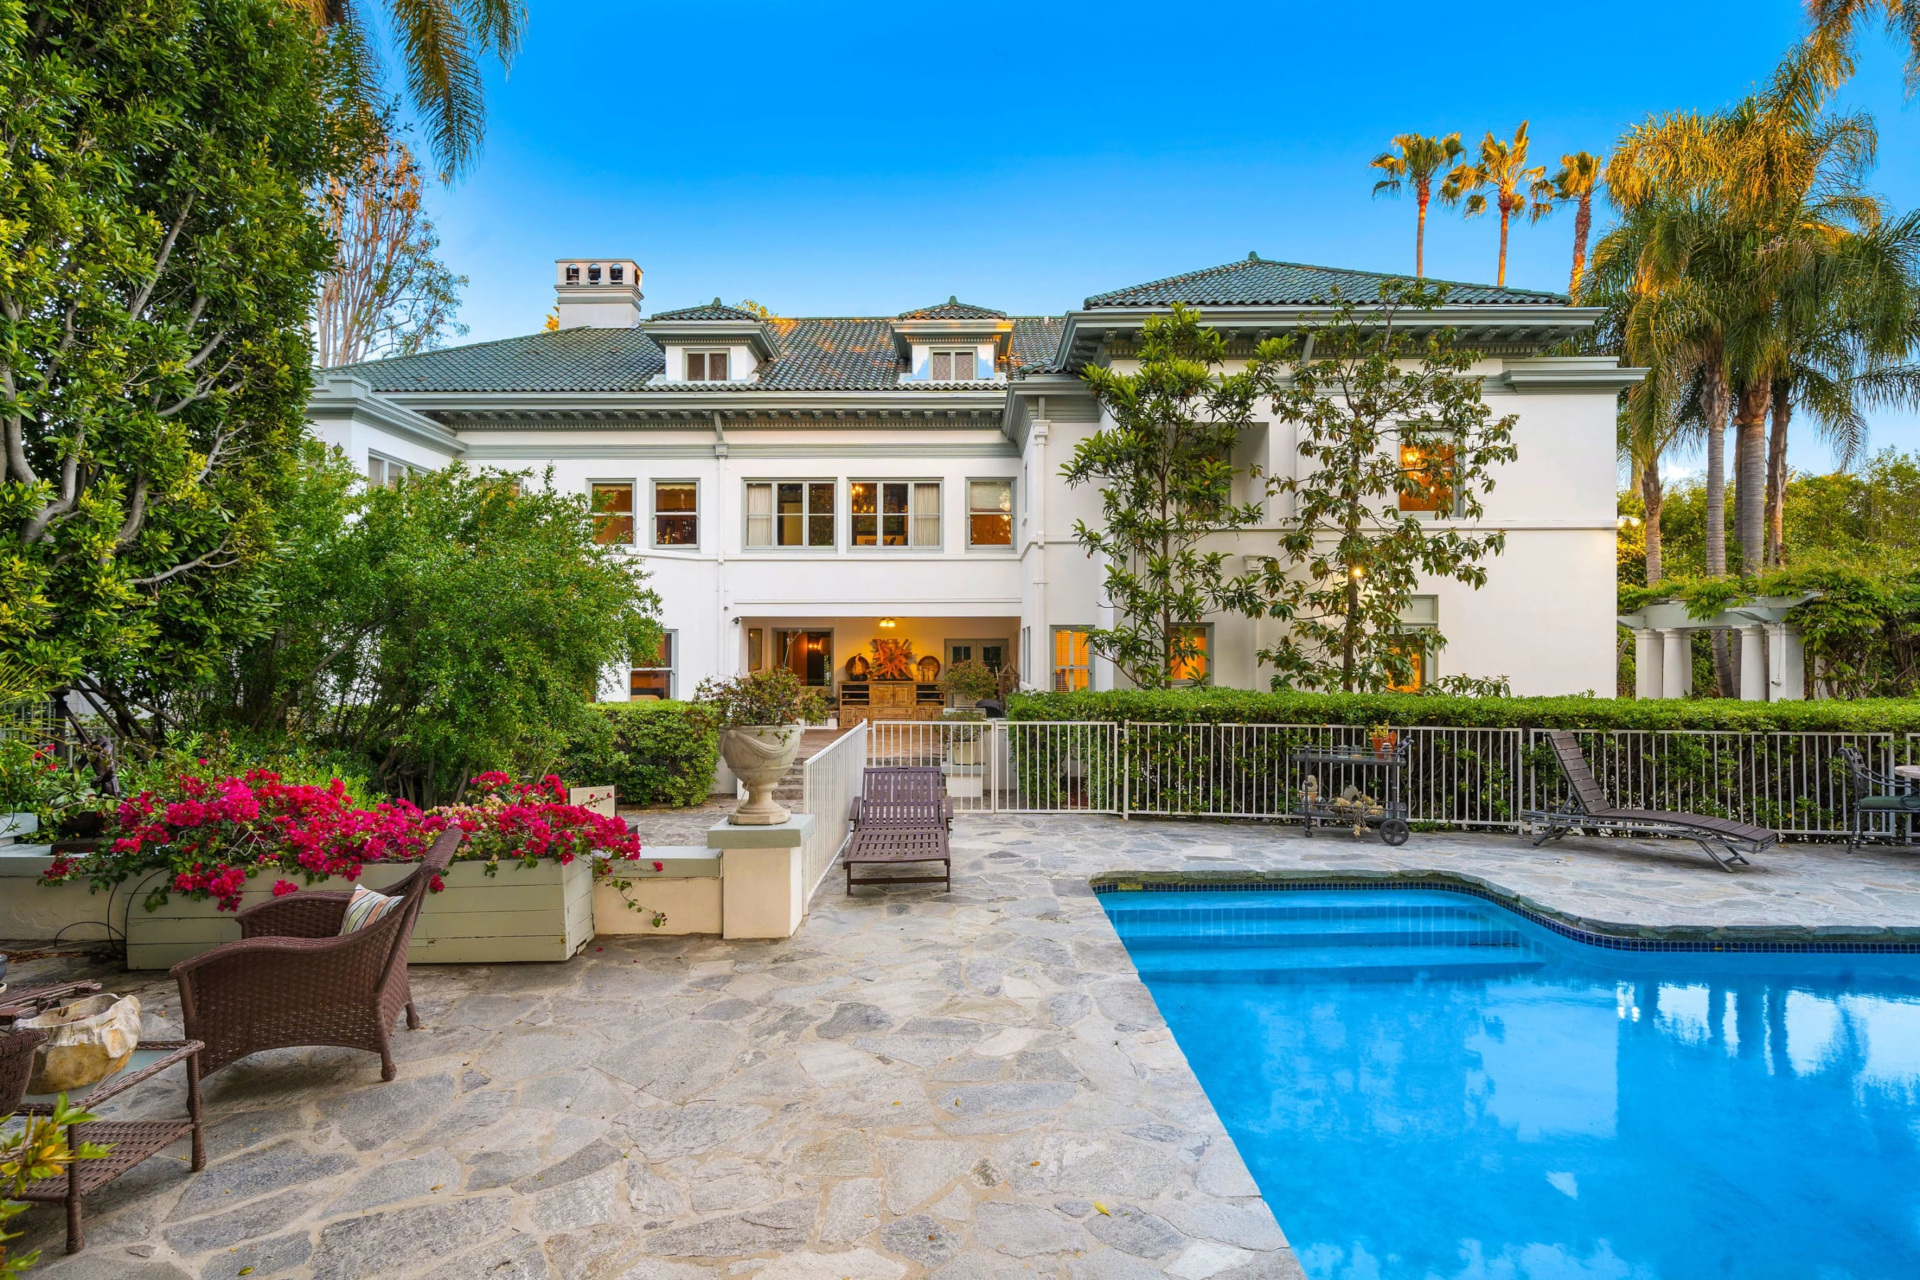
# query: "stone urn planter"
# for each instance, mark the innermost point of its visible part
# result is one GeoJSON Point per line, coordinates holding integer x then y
{"type": "Point", "coordinates": [760, 755]}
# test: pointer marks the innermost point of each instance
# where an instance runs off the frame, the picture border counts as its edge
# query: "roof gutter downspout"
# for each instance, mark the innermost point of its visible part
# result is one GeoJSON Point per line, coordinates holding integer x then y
{"type": "Point", "coordinates": [723, 636]}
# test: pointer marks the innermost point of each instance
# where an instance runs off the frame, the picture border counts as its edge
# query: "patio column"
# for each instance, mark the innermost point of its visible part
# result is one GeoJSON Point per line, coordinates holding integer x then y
{"type": "Point", "coordinates": [1786, 663]}
{"type": "Point", "coordinates": [1753, 663]}
{"type": "Point", "coordinates": [1647, 663]}
{"type": "Point", "coordinates": [1676, 667]}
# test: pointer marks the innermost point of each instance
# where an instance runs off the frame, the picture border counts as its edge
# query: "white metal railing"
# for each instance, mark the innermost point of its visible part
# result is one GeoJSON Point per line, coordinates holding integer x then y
{"type": "Point", "coordinates": [831, 779]}
{"type": "Point", "coordinates": [1461, 778]}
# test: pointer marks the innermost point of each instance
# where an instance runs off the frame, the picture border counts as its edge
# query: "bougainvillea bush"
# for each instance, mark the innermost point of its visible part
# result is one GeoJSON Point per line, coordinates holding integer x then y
{"type": "Point", "coordinates": [211, 835]}
{"type": "Point", "coordinates": [530, 821]}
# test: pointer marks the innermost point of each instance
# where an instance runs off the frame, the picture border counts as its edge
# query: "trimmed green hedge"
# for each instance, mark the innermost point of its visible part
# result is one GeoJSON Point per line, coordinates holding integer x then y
{"type": "Point", "coordinates": [1238, 706]}
{"type": "Point", "coordinates": [650, 752]}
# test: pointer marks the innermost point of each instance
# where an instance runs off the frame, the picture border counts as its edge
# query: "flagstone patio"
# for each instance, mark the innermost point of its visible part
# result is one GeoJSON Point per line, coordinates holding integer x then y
{"type": "Point", "coordinates": [964, 1086]}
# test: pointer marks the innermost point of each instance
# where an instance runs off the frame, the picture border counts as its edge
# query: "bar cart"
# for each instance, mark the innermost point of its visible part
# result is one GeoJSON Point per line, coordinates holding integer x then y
{"type": "Point", "coordinates": [1341, 801]}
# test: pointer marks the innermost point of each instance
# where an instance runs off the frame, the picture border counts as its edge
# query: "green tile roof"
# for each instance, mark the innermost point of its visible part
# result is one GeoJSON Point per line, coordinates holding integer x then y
{"type": "Point", "coordinates": [953, 309]}
{"type": "Point", "coordinates": [822, 354]}
{"type": "Point", "coordinates": [1257, 282]}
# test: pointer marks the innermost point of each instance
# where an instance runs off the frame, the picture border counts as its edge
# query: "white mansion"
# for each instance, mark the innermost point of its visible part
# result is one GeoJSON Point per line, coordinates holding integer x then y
{"type": "Point", "coordinates": [797, 488]}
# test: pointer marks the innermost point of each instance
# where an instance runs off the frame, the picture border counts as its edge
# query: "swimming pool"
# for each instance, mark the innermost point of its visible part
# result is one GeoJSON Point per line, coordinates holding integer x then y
{"type": "Point", "coordinates": [1426, 1084]}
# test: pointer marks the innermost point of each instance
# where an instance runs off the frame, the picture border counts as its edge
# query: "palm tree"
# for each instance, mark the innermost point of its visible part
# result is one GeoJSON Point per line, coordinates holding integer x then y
{"type": "Point", "coordinates": [1835, 23]}
{"type": "Point", "coordinates": [1581, 174]}
{"type": "Point", "coordinates": [441, 44]}
{"type": "Point", "coordinates": [1416, 163]}
{"type": "Point", "coordinates": [1501, 169]}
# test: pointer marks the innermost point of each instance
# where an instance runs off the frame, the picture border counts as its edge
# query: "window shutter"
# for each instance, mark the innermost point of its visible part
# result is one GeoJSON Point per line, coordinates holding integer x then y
{"type": "Point", "coordinates": [963, 366]}
{"type": "Point", "coordinates": [943, 366]}
{"type": "Point", "coordinates": [696, 366]}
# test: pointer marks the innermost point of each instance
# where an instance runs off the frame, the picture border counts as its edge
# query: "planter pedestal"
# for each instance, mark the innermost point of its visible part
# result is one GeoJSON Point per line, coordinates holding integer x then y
{"type": "Point", "coordinates": [763, 890]}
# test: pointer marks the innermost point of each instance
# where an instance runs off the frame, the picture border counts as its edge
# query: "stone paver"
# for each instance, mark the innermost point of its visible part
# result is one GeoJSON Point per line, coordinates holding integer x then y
{"type": "Point", "coordinates": [964, 1086]}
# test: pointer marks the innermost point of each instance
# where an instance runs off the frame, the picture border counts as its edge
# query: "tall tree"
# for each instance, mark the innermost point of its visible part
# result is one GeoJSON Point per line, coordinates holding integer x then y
{"type": "Point", "coordinates": [1415, 161]}
{"type": "Point", "coordinates": [1581, 175]}
{"type": "Point", "coordinates": [1836, 25]}
{"type": "Point", "coordinates": [442, 44]}
{"type": "Point", "coordinates": [1516, 187]}
{"type": "Point", "coordinates": [388, 294]}
{"type": "Point", "coordinates": [158, 258]}
{"type": "Point", "coordinates": [1381, 415]}
{"type": "Point", "coordinates": [1165, 471]}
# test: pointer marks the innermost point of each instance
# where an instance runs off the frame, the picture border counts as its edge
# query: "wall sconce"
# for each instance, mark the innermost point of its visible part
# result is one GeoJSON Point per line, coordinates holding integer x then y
{"type": "Point", "coordinates": [887, 624]}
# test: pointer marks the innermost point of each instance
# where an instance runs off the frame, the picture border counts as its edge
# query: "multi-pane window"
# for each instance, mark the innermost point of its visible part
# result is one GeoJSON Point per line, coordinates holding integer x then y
{"type": "Point", "coordinates": [1190, 665]}
{"type": "Point", "coordinates": [1072, 660]}
{"type": "Point", "coordinates": [895, 513]}
{"type": "Point", "coordinates": [653, 672]}
{"type": "Point", "coordinates": [953, 366]}
{"type": "Point", "coordinates": [1419, 620]}
{"type": "Point", "coordinates": [1427, 478]}
{"type": "Point", "coordinates": [991, 654]}
{"type": "Point", "coordinates": [613, 511]}
{"type": "Point", "coordinates": [676, 513]}
{"type": "Point", "coordinates": [385, 473]}
{"type": "Point", "coordinates": [791, 513]}
{"type": "Point", "coordinates": [706, 366]}
{"type": "Point", "coordinates": [990, 513]}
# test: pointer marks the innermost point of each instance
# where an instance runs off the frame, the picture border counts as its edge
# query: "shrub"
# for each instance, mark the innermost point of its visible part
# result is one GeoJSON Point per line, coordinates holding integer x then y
{"type": "Point", "coordinates": [772, 697]}
{"type": "Point", "coordinates": [972, 679]}
{"type": "Point", "coordinates": [1237, 706]}
{"type": "Point", "coordinates": [649, 752]}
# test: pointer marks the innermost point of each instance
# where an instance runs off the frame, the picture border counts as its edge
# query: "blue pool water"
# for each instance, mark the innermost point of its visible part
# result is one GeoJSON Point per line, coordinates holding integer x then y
{"type": "Point", "coordinates": [1426, 1084]}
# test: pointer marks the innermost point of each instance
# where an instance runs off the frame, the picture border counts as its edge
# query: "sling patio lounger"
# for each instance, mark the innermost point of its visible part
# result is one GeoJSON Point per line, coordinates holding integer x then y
{"type": "Point", "coordinates": [1722, 839]}
{"type": "Point", "coordinates": [902, 815]}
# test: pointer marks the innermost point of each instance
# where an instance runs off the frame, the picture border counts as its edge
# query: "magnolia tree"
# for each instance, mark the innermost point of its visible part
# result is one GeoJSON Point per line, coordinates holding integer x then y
{"type": "Point", "coordinates": [1396, 450]}
{"type": "Point", "coordinates": [158, 253]}
{"type": "Point", "coordinates": [1165, 473]}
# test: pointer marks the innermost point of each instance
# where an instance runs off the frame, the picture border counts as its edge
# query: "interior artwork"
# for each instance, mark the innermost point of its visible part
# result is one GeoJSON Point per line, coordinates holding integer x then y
{"type": "Point", "coordinates": [929, 669]}
{"type": "Point", "coordinates": [858, 668]}
{"type": "Point", "coordinates": [892, 659]}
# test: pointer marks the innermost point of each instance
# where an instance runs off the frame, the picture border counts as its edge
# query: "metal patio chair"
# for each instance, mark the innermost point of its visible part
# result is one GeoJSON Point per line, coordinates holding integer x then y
{"type": "Point", "coordinates": [1877, 793]}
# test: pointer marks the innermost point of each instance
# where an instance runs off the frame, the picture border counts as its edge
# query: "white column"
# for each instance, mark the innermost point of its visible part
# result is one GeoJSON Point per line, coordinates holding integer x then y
{"type": "Point", "coordinates": [1753, 664]}
{"type": "Point", "coordinates": [1786, 663]}
{"type": "Point", "coordinates": [1041, 677]}
{"type": "Point", "coordinates": [1676, 665]}
{"type": "Point", "coordinates": [1647, 660]}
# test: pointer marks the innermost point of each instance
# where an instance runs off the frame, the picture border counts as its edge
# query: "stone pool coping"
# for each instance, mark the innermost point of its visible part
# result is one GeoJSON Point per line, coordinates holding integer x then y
{"type": "Point", "coordinates": [1610, 935]}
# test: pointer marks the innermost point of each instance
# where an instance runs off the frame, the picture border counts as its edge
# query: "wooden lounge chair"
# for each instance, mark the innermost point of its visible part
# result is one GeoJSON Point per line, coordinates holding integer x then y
{"type": "Point", "coordinates": [1722, 839]}
{"type": "Point", "coordinates": [294, 980]}
{"type": "Point", "coordinates": [902, 816]}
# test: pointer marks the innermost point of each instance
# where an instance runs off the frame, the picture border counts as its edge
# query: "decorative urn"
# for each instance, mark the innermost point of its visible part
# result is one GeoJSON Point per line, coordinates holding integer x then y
{"type": "Point", "coordinates": [760, 756]}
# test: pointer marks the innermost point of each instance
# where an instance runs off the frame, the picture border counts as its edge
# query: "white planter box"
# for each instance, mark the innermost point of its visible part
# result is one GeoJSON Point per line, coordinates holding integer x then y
{"type": "Point", "coordinates": [521, 913]}
{"type": "Point", "coordinates": [966, 786]}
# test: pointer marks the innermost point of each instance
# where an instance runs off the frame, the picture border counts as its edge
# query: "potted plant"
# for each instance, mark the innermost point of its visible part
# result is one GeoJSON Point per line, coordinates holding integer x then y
{"type": "Point", "coordinates": [760, 717]}
{"type": "Point", "coordinates": [968, 682]}
{"type": "Point", "coordinates": [1385, 741]}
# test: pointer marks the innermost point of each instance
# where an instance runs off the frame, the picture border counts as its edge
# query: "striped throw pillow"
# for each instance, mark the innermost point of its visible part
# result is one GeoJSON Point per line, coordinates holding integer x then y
{"type": "Point", "coordinates": [365, 907]}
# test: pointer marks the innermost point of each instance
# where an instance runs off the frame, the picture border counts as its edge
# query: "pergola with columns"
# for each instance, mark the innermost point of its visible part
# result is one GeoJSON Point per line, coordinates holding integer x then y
{"type": "Point", "coordinates": [1773, 663]}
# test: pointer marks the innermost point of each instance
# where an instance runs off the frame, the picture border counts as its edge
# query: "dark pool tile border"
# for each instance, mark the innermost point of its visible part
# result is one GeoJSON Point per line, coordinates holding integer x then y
{"type": "Point", "coordinates": [1648, 938]}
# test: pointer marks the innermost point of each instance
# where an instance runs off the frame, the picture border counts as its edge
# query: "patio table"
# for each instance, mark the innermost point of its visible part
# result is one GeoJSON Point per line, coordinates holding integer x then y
{"type": "Point", "coordinates": [130, 1141]}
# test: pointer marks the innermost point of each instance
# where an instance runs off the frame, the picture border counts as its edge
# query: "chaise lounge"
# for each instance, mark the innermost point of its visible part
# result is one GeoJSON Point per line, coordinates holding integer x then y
{"type": "Point", "coordinates": [902, 816]}
{"type": "Point", "coordinates": [1722, 839]}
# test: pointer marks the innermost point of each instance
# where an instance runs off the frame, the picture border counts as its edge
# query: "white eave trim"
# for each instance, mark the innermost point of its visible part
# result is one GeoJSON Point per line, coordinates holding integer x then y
{"type": "Point", "coordinates": [344, 398]}
{"type": "Point", "coordinates": [1569, 373]}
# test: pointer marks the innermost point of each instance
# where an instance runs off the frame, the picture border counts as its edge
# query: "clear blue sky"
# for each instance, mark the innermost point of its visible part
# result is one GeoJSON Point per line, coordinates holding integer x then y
{"type": "Point", "coordinates": [863, 158]}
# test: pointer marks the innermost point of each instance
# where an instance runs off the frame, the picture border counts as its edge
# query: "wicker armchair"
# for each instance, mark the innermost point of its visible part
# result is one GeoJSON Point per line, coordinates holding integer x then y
{"type": "Point", "coordinates": [293, 980]}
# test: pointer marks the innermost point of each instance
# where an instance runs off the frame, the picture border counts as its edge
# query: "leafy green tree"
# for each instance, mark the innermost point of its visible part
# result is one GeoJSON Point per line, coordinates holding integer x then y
{"type": "Point", "coordinates": [1165, 471]}
{"type": "Point", "coordinates": [457, 623]}
{"type": "Point", "coordinates": [158, 255]}
{"type": "Point", "coordinates": [1415, 161]}
{"type": "Point", "coordinates": [1395, 447]}
{"type": "Point", "coordinates": [1516, 188]}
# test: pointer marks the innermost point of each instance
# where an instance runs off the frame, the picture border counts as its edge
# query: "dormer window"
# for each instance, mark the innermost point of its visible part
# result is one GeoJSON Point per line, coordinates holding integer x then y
{"type": "Point", "coordinates": [593, 274]}
{"type": "Point", "coordinates": [953, 366]}
{"type": "Point", "coordinates": [617, 274]}
{"type": "Point", "coordinates": [573, 275]}
{"type": "Point", "coordinates": [707, 366]}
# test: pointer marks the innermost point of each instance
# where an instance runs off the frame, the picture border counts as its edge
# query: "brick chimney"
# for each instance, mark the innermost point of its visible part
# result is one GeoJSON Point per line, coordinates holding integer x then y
{"type": "Point", "coordinates": [597, 293]}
